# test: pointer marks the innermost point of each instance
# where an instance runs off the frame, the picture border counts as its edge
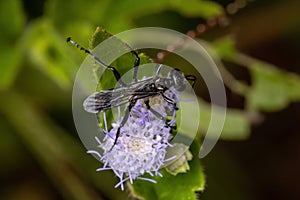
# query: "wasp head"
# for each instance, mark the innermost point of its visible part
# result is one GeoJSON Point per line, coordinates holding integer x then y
{"type": "Point", "coordinates": [178, 79]}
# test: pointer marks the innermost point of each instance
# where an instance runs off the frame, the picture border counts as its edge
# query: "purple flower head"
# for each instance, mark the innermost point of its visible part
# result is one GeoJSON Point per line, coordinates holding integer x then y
{"type": "Point", "coordinates": [141, 146]}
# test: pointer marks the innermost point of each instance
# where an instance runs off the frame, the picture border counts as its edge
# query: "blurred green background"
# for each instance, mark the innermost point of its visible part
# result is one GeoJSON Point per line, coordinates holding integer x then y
{"type": "Point", "coordinates": [41, 155]}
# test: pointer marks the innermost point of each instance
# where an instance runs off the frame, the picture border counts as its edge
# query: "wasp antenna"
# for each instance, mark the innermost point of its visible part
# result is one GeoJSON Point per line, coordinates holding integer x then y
{"type": "Point", "coordinates": [191, 78]}
{"type": "Point", "coordinates": [78, 46]}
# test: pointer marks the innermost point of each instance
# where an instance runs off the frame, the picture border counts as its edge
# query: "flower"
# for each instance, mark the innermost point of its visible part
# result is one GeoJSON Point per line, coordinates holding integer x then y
{"type": "Point", "coordinates": [143, 141]}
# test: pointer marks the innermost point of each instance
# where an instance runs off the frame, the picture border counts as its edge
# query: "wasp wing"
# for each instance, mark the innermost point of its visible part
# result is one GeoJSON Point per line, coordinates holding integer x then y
{"type": "Point", "coordinates": [108, 99]}
{"type": "Point", "coordinates": [105, 100]}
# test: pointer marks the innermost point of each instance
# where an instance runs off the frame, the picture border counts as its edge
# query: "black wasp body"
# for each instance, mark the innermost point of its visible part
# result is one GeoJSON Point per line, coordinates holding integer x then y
{"type": "Point", "coordinates": [138, 89]}
{"type": "Point", "coordinates": [143, 89]}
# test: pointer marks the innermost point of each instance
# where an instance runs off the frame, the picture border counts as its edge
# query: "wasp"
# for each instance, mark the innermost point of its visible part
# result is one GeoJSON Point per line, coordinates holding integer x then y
{"type": "Point", "coordinates": [138, 89]}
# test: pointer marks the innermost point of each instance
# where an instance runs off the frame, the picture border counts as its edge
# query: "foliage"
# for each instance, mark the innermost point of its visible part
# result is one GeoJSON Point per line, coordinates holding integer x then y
{"type": "Point", "coordinates": [37, 69]}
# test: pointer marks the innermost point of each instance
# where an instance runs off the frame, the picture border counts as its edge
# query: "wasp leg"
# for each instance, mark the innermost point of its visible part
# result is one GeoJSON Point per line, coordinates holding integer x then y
{"type": "Point", "coordinates": [124, 120]}
{"type": "Point", "coordinates": [170, 101]}
{"type": "Point", "coordinates": [136, 62]}
{"type": "Point", "coordinates": [158, 70]}
{"type": "Point", "coordinates": [99, 61]}
{"type": "Point", "coordinates": [136, 65]}
{"type": "Point", "coordinates": [158, 115]}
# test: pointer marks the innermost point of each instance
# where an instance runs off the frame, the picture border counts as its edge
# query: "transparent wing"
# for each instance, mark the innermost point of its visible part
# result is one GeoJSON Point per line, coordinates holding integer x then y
{"type": "Point", "coordinates": [105, 100]}
{"type": "Point", "coordinates": [108, 99]}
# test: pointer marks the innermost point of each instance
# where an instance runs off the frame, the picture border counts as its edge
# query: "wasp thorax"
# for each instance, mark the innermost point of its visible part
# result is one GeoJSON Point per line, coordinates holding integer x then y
{"type": "Point", "coordinates": [162, 84]}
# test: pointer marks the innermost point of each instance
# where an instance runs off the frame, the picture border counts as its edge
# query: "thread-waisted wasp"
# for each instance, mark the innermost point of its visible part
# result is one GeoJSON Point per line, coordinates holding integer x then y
{"type": "Point", "coordinates": [138, 89]}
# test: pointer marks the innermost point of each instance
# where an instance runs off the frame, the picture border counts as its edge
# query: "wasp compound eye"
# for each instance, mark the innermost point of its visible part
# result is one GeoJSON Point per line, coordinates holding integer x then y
{"type": "Point", "coordinates": [178, 79]}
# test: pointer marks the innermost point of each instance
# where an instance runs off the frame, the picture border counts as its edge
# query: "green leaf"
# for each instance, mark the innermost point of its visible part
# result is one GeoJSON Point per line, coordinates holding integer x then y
{"type": "Point", "coordinates": [272, 89]}
{"type": "Point", "coordinates": [10, 58]}
{"type": "Point", "coordinates": [119, 15]}
{"type": "Point", "coordinates": [12, 21]}
{"type": "Point", "coordinates": [48, 52]}
{"type": "Point", "coordinates": [181, 186]}
{"type": "Point", "coordinates": [67, 14]}
{"type": "Point", "coordinates": [123, 64]}
{"type": "Point", "coordinates": [99, 35]}
{"type": "Point", "coordinates": [236, 126]}
{"type": "Point", "coordinates": [196, 8]}
{"type": "Point", "coordinates": [120, 11]}
{"type": "Point", "coordinates": [225, 48]}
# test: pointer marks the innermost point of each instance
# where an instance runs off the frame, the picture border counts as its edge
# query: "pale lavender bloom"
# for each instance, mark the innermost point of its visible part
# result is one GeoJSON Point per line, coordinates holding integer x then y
{"type": "Point", "coordinates": [142, 144]}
